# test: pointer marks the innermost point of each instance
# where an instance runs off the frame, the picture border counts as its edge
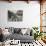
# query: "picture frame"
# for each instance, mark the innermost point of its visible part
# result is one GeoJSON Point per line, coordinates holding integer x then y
{"type": "Point", "coordinates": [15, 15]}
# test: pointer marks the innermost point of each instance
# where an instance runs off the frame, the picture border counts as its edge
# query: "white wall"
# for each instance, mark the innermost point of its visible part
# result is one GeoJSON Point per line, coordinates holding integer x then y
{"type": "Point", "coordinates": [31, 14]}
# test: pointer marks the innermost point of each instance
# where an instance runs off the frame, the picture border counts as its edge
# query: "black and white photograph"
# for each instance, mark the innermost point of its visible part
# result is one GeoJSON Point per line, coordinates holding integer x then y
{"type": "Point", "coordinates": [15, 15]}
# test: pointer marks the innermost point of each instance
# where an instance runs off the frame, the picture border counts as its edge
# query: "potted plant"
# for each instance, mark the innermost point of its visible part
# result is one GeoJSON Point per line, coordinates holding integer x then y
{"type": "Point", "coordinates": [37, 33]}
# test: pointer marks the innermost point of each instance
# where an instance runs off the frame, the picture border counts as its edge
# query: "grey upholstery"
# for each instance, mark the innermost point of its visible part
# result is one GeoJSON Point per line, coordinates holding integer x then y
{"type": "Point", "coordinates": [22, 38]}
{"type": "Point", "coordinates": [17, 30]}
{"type": "Point", "coordinates": [17, 35]}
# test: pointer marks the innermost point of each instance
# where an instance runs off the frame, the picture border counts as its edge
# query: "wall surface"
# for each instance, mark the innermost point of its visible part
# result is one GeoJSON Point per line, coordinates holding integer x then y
{"type": "Point", "coordinates": [31, 14]}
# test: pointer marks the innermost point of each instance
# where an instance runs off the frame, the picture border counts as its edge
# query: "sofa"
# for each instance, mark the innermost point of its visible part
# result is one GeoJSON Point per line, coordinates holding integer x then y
{"type": "Point", "coordinates": [18, 35]}
{"type": "Point", "coordinates": [22, 34]}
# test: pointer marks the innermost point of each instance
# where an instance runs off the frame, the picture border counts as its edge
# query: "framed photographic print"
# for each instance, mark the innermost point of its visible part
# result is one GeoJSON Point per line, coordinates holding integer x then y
{"type": "Point", "coordinates": [15, 15]}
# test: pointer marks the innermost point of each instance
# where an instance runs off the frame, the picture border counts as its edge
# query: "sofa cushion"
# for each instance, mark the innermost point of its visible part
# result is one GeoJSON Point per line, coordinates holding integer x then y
{"type": "Point", "coordinates": [17, 30]}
